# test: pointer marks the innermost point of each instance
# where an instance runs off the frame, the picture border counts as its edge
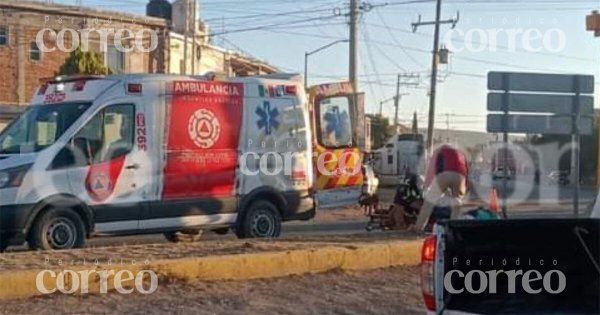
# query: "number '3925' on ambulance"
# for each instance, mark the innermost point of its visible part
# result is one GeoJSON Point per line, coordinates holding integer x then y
{"type": "Point", "coordinates": [171, 154]}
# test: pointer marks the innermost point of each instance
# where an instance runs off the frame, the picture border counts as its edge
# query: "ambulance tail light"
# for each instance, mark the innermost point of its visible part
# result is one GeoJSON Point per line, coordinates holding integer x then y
{"type": "Point", "coordinates": [291, 90]}
{"type": "Point", "coordinates": [134, 88]}
{"type": "Point", "coordinates": [427, 275]}
{"type": "Point", "coordinates": [79, 85]}
{"type": "Point", "coordinates": [299, 175]}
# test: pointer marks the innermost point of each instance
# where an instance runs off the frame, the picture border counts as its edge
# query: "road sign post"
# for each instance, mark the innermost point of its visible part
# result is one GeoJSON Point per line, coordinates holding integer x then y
{"type": "Point", "coordinates": [505, 98]}
{"type": "Point", "coordinates": [575, 146]}
{"type": "Point", "coordinates": [561, 109]}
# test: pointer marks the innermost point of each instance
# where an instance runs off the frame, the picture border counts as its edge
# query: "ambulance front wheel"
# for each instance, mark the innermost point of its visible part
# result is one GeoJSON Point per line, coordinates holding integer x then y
{"type": "Point", "coordinates": [57, 228]}
{"type": "Point", "coordinates": [262, 219]}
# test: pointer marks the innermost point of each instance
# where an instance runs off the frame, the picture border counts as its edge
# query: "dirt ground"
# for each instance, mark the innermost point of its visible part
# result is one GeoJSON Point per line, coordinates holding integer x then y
{"type": "Point", "coordinates": [384, 291]}
{"type": "Point", "coordinates": [350, 213]}
{"type": "Point", "coordinates": [152, 252]}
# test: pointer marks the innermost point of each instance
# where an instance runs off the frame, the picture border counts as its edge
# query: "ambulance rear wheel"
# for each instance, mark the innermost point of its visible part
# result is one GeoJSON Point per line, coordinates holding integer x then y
{"type": "Point", "coordinates": [187, 236]}
{"type": "Point", "coordinates": [262, 219]}
{"type": "Point", "coordinates": [56, 229]}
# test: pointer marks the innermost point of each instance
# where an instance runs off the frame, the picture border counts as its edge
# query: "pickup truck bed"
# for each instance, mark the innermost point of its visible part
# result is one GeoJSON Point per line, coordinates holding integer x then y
{"type": "Point", "coordinates": [532, 266]}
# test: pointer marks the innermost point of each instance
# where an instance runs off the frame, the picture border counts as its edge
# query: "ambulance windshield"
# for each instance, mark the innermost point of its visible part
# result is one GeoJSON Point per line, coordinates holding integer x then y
{"type": "Point", "coordinates": [335, 122]}
{"type": "Point", "coordinates": [39, 127]}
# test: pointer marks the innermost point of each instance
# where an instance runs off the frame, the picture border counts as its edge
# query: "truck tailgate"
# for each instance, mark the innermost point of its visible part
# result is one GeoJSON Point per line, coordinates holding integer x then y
{"type": "Point", "coordinates": [534, 266]}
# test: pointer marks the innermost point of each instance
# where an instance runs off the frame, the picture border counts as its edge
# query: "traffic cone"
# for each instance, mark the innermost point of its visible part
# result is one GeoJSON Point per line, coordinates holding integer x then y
{"type": "Point", "coordinates": [493, 203]}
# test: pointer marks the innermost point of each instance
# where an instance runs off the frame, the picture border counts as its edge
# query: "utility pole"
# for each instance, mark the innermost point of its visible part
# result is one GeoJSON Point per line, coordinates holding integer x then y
{"type": "Point", "coordinates": [447, 127]}
{"type": "Point", "coordinates": [397, 102]}
{"type": "Point", "coordinates": [383, 102]}
{"type": "Point", "coordinates": [186, 28]}
{"type": "Point", "coordinates": [434, 71]}
{"type": "Point", "coordinates": [354, 17]}
{"type": "Point", "coordinates": [592, 23]}
{"type": "Point", "coordinates": [411, 80]}
{"type": "Point", "coordinates": [434, 66]}
{"type": "Point", "coordinates": [194, 8]}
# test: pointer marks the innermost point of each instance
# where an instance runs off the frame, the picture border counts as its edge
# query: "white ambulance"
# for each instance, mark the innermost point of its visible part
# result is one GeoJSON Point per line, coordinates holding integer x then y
{"type": "Point", "coordinates": [166, 154]}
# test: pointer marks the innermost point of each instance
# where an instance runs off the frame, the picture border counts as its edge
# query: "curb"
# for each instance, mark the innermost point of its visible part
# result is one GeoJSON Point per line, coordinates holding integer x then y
{"type": "Point", "coordinates": [22, 284]}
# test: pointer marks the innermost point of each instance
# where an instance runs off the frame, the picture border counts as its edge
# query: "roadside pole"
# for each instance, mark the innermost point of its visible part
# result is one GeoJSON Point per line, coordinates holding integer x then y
{"type": "Point", "coordinates": [353, 75]}
{"type": "Point", "coordinates": [592, 23]}
{"type": "Point", "coordinates": [434, 66]}
{"type": "Point", "coordinates": [397, 103]}
{"type": "Point", "coordinates": [575, 146]}
{"type": "Point", "coordinates": [506, 83]}
{"type": "Point", "coordinates": [434, 71]}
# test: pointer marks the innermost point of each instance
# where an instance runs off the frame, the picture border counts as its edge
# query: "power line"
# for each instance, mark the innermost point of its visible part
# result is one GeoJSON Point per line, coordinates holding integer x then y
{"type": "Point", "coordinates": [396, 40]}
{"type": "Point", "coordinates": [506, 48]}
{"type": "Point", "coordinates": [262, 27]}
{"type": "Point", "coordinates": [366, 38]}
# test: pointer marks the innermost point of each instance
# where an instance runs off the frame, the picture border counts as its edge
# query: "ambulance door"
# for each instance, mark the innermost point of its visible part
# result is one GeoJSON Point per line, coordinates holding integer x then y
{"type": "Point", "coordinates": [203, 124]}
{"type": "Point", "coordinates": [338, 136]}
{"type": "Point", "coordinates": [274, 147]}
{"type": "Point", "coordinates": [111, 168]}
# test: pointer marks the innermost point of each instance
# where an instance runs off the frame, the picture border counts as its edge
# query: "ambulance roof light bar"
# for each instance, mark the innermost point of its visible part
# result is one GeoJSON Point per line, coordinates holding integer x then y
{"type": "Point", "coordinates": [73, 78]}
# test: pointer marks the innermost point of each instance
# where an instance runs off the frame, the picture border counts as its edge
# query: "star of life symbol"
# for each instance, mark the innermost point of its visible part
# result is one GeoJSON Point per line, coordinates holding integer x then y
{"type": "Point", "coordinates": [204, 128]}
{"type": "Point", "coordinates": [267, 117]}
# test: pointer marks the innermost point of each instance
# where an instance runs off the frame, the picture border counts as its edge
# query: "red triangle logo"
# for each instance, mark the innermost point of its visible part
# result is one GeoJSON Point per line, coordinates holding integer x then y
{"type": "Point", "coordinates": [204, 127]}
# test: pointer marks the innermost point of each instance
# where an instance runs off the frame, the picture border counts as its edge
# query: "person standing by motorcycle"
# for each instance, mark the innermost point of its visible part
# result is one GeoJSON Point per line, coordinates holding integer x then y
{"type": "Point", "coordinates": [447, 170]}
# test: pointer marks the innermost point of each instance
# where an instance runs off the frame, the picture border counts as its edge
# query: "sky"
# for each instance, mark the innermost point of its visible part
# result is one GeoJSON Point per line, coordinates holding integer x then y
{"type": "Point", "coordinates": [283, 30]}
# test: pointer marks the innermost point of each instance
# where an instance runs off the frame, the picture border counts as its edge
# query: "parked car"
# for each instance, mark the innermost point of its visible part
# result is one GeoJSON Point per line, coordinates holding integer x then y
{"type": "Point", "coordinates": [559, 177]}
{"type": "Point", "coordinates": [498, 173]}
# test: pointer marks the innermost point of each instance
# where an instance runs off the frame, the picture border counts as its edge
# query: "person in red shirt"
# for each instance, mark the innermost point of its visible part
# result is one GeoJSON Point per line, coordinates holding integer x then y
{"type": "Point", "coordinates": [447, 171]}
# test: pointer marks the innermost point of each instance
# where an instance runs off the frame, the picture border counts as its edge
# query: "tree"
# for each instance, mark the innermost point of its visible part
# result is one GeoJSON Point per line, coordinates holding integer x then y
{"type": "Point", "coordinates": [83, 62]}
{"type": "Point", "coordinates": [415, 127]}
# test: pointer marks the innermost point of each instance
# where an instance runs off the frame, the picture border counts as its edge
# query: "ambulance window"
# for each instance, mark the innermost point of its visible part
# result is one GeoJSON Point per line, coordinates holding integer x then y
{"type": "Point", "coordinates": [108, 135]}
{"type": "Point", "coordinates": [118, 131]}
{"type": "Point", "coordinates": [39, 127]}
{"type": "Point", "coordinates": [334, 122]}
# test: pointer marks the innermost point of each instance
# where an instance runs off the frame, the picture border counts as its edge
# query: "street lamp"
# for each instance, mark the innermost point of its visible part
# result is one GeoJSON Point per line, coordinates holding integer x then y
{"type": "Point", "coordinates": [306, 54]}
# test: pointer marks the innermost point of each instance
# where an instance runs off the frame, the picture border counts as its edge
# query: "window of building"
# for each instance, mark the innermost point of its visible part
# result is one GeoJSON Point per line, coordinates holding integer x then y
{"type": "Point", "coordinates": [3, 35]}
{"type": "Point", "coordinates": [34, 52]}
{"type": "Point", "coordinates": [115, 60]}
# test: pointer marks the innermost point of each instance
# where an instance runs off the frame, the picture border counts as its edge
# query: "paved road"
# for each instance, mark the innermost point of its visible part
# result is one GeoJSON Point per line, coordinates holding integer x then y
{"type": "Point", "coordinates": [336, 227]}
{"type": "Point", "coordinates": [312, 228]}
{"type": "Point", "coordinates": [292, 228]}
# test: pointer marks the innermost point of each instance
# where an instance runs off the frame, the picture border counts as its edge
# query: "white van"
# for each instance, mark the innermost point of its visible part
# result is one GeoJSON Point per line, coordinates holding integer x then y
{"type": "Point", "coordinates": [156, 153]}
